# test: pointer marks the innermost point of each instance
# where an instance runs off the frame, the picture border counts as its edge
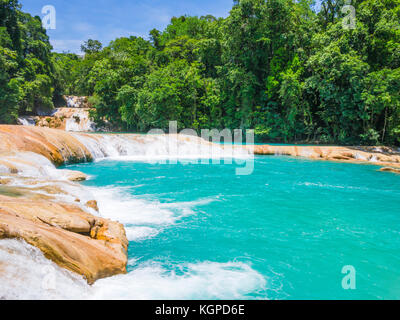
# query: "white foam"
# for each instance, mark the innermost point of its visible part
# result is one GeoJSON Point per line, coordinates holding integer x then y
{"type": "Point", "coordinates": [321, 185]}
{"type": "Point", "coordinates": [151, 280]}
{"type": "Point", "coordinates": [329, 186]}
{"type": "Point", "coordinates": [359, 156]}
{"type": "Point", "coordinates": [206, 280]}
{"type": "Point", "coordinates": [27, 121]}
{"type": "Point", "coordinates": [26, 274]}
{"type": "Point", "coordinates": [140, 233]}
{"type": "Point", "coordinates": [80, 121]}
{"type": "Point", "coordinates": [373, 159]}
{"type": "Point", "coordinates": [118, 204]}
{"type": "Point", "coordinates": [24, 271]}
{"type": "Point", "coordinates": [33, 165]}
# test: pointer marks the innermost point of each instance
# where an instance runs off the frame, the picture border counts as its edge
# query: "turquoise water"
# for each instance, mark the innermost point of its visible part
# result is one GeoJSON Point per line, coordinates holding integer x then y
{"type": "Point", "coordinates": [293, 223]}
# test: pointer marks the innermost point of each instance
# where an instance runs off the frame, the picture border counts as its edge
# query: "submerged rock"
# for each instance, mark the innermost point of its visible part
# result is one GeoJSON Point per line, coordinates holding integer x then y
{"type": "Point", "coordinates": [75, 175]}
{"type": "Point", "coordinates": [388, 169]}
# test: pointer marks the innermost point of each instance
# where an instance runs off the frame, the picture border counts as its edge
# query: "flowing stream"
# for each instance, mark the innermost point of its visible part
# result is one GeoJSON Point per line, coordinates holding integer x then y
{"type": "Point", "coordinates": [199, 231]}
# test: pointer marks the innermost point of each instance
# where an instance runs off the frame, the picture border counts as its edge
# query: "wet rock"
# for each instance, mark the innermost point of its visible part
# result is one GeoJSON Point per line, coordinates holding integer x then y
{"type": "Point", "coordinates": [348, 154]}
{"type": "Point", "coordinates": [58, 146]}
{"type": "Point", "coordinates": [92, 204]}
{"type": "Point", "coordinates": [5, 181]}
{"type": "Point", "coordinates": [37, 212]}
{"type": "Point", "coordinates": [92, 258]}
{"type": "Point", "coordinates": [75, 175]}
{"type": "Point", "coordinates": [388, 169]}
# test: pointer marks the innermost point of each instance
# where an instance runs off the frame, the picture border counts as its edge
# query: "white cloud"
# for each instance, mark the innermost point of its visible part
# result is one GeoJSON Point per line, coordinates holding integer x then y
{"type": "Point", "coordinates": [73, 46]}
{"type": "Point", "coordinates": [83, 27]}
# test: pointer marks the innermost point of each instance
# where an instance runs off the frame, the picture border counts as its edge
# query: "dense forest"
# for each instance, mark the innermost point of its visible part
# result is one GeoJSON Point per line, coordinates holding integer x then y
{"type": "Point", "coordinates": [281, 67]}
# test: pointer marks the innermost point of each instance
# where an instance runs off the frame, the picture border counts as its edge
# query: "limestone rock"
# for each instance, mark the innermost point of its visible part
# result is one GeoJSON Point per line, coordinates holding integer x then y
{"type": "Point", "coordinates": [72, 238]}
{"type": "Point", "coordinates": [388, 169]}
{"type": "Point", "coordinates": [60, 215]}
{"type": "Point", "coordinates": [377, 156]}
{"type": "Point", "coordinates": [35, 210]}
{"type": "Point", "coordinates": [58, 146]}
{"type": "Point", "coordinates": [92, 258]}
{"type": "Point", "coordinates": [92, 204]}
{"type": "Point", "coordinates": [5, 181]}
{"type": "Point", "coordinates": [75, 175]}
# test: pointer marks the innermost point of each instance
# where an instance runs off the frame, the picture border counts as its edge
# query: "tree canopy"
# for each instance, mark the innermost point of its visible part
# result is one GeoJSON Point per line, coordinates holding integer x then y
{"type": "Point", "coordinates": [278, 66]}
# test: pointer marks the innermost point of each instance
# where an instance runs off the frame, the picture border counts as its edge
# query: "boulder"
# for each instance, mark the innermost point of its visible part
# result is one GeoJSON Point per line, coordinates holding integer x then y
{"type": "Point", "coordinates": [92, 258]}
{"type": "Point", "coordinates": [58, 146]}
{"type": "Point", "coordinates": [92, 204]}
{"type": "Point", "coordinates": [388, 169]}
{"type": "Point", "coordinates": [75, 175]}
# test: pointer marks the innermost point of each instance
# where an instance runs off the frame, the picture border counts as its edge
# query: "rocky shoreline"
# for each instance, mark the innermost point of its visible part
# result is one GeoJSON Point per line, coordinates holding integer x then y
{"type": "Point", "coordinates": [380, 156]}
{"type": "Point", "coordinates": [48, 209]}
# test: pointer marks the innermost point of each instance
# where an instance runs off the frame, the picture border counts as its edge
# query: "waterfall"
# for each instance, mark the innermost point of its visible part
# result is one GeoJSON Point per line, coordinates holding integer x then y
{"type": "Point", "coordinates": [80, 121]}
{"type": "Point", "coordinates": [157, 147]}
{"type": "Point", "coordinates": [76, 101]}
{"type": "Point", "coordinates": [73, 117]}
{"type": "Point", "coordinates": [24, 269]}
{"type": "Point", "coordinates": [27, 121]}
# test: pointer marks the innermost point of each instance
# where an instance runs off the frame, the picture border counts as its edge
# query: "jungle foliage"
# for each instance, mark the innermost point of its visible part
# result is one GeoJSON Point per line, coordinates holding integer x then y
{"type": "Point", "coordinates": [278, 66]}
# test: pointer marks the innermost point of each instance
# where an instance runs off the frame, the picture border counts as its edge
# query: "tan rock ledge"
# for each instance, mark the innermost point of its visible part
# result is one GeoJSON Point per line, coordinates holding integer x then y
{"type": "Point", "coordinates": [381, 156]}
{"type": "Point", "coordinates": [34, 211]}
{"type": "Point", "coordinates": [75, 175]}
{"type": "Point", "coordinates": [74, 239]}
{"type": "Point", "coordinates": [388, 169]}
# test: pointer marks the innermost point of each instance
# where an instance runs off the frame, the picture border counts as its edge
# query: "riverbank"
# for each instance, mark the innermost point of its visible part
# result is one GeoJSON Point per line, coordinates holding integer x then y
{"type": "Point", "coordinates": [48, 209]}
{"type": "Point", "coordinates": [386, 157]}
{"type": "Point", "coordinates": [45, 207]}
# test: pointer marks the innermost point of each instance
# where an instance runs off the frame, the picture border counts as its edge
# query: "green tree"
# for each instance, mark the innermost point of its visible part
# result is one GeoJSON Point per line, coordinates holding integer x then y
{"type": "Point", "coordinates": [91, 46]}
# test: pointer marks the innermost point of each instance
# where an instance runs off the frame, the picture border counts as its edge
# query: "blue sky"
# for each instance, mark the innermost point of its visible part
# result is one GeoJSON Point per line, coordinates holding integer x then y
{"type": "Point", "coordinates": [105, 20]}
